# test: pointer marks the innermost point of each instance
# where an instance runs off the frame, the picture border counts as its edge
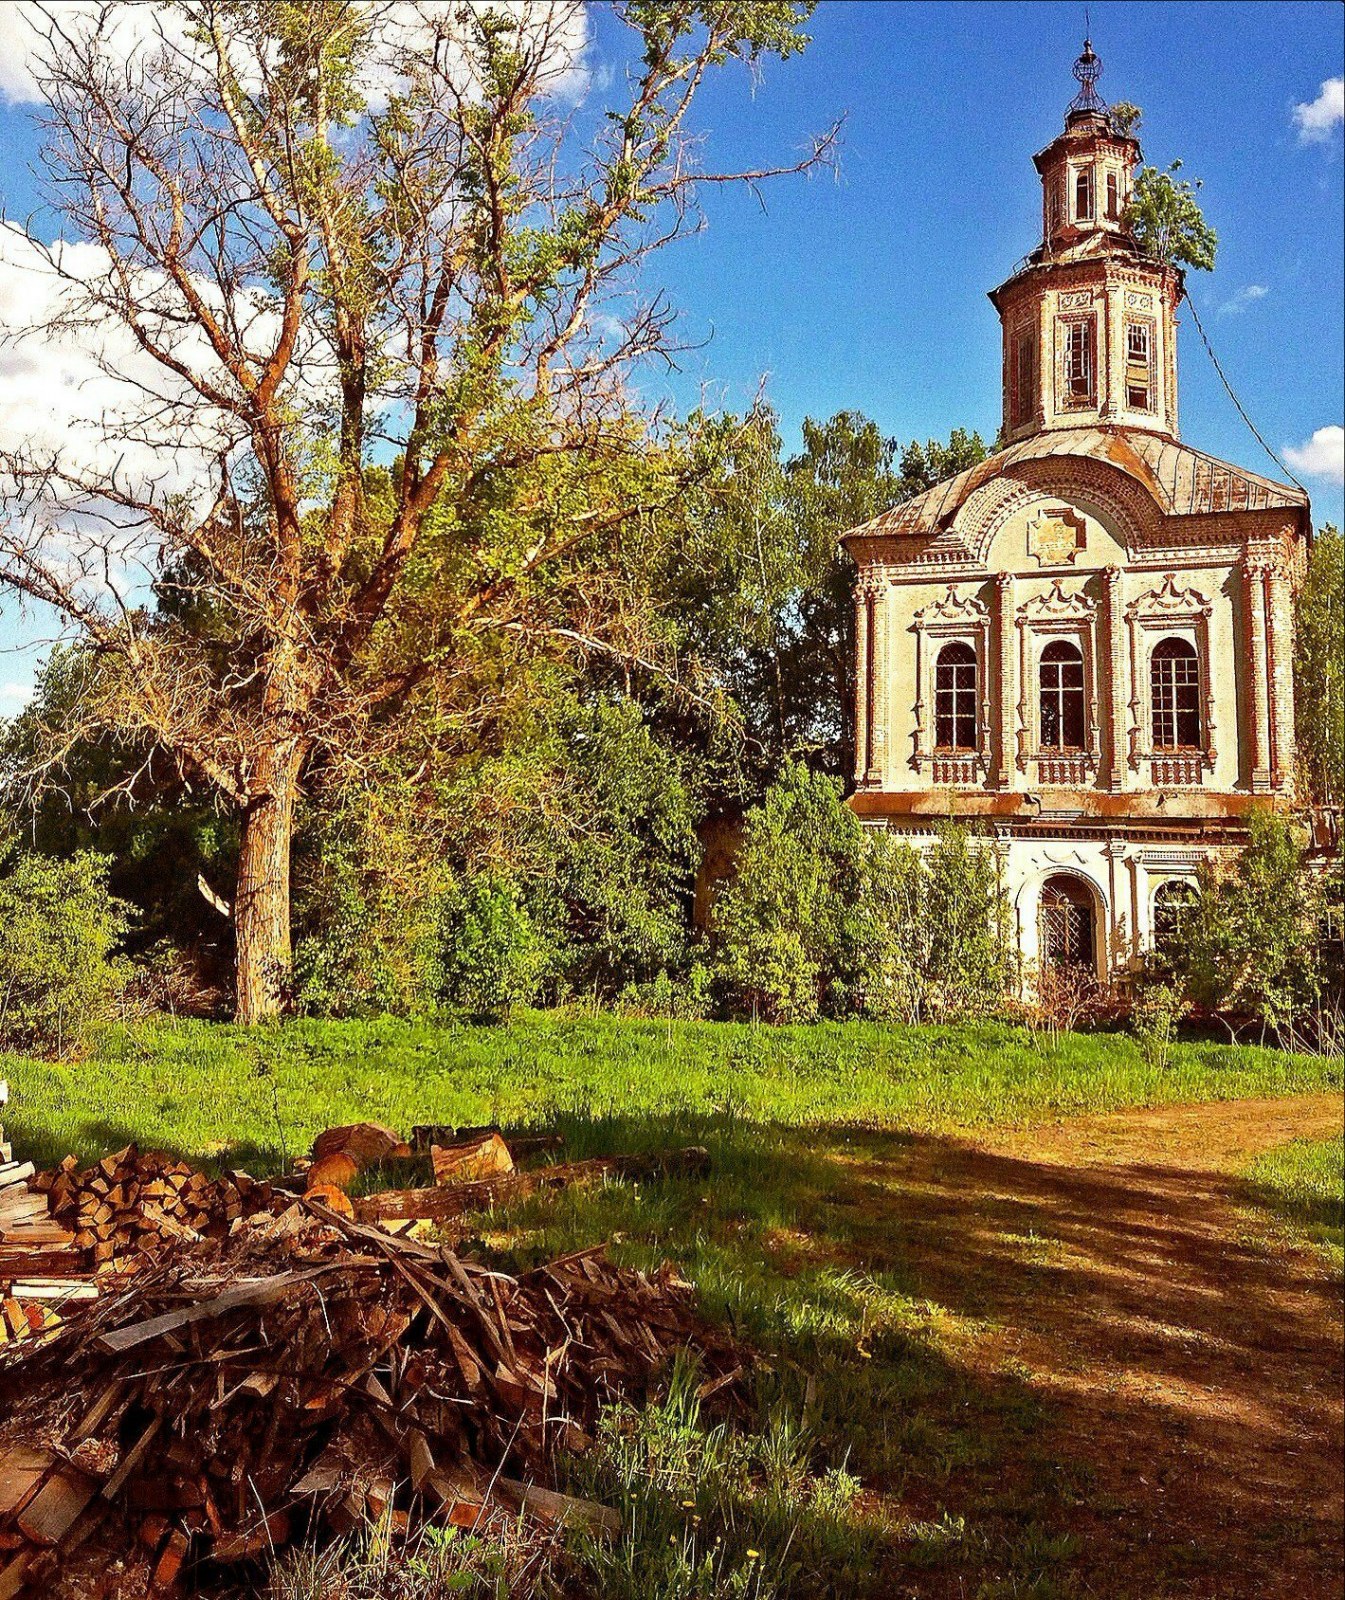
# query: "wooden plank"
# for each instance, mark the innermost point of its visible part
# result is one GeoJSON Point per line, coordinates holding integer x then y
{"type": "Point", "coordinates": [258, 1292]}
{"type": "Point", "coordinates": [21, 1469]}
{"type": "Point", "coordinates": [49, 1514]}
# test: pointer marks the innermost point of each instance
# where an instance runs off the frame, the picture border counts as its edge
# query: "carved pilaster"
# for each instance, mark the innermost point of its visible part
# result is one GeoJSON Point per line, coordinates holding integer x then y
{"type": "Point", "coordinates": [878, 684]}
{"type": "Point", "coordinates": [1258, 687]}
{"type": "Point", "coordinates": [1279, 677]}
{"type": "Point", "coordinates": [1112, 648]}
{"type": "Point", "coordinates": [1004, 691]}
{"type": "Point", "coordinates": [863, 673]}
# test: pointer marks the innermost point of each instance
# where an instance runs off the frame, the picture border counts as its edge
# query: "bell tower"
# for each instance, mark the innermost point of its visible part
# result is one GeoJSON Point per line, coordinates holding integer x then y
{"type": "Point", "coordinates": [1089, 322]}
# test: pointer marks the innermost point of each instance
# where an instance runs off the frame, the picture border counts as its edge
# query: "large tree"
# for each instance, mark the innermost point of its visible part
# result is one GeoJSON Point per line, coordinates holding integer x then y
{"type": "Point", "coordinates": [380, 295]}
{"type": "Point", "coordinates": [1319, 672]}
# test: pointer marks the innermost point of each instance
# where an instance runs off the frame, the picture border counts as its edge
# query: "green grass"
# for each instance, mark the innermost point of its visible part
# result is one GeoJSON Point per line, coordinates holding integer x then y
{"type": "Point", "coordinates": [880, 1454]}
{"type": "Point", "coordinates": [1301, 1185]}
{"type": "Point", "coordinates": [258, 1097]}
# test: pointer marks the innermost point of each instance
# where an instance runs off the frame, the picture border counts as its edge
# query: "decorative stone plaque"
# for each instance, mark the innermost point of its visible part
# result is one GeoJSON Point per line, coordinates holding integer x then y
{"type": "Point", "coordinates": [1139, 302]}
{"type": "Point", "coordinates": [1055, 536]}
{"type": "Point", "coordinates": [1076, 298]}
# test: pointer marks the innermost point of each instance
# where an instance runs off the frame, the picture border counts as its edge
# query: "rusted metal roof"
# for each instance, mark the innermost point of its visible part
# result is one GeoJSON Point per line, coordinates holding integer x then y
{"type": "Point", "coordinates": [1182, 481]}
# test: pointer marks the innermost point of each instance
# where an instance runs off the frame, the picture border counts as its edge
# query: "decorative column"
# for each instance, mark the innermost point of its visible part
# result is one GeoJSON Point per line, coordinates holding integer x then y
{"type": "Point", "coordinates": [1279, 674]}
{"type": "Point", "coordinates": [1258, 686]}
{"type": "Point", "coordinates": [1004, 698]}
{"type": "Point", "coordinates": [878, 690]}
{"type": "Point", "coordinates": [863, 672]}
{"type": "Point", "coordinates": [1113, 664]}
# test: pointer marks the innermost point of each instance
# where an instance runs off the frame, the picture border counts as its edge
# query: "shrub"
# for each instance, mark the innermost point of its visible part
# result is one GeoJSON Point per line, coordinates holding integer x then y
{"type": "Point", "coordinates": [785, 924]}
{"type": "Point", "coordinates": [492, 956]}
{"type": "Point", "coordinates": [823, 918]}
{"type": "Point", "coordinates": [59, 929]}
{"type": "Point", "coordinates": [1252, 947]}
{"type": "Point", "coordinates": [1155, 1009]}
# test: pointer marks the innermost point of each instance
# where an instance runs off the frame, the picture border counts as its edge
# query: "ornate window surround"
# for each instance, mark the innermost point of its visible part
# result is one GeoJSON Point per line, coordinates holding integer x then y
{"type": "Point", "coordinates": [967, 620]}
{"type": "Point", "coordinates": [1055, 616]}
{"type": "Point", "coordinates": [1168, 612]}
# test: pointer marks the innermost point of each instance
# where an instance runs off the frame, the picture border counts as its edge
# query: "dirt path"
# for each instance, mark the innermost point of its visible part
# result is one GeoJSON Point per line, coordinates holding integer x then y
{"type": "Point", "coordinates": [1189, 1364]}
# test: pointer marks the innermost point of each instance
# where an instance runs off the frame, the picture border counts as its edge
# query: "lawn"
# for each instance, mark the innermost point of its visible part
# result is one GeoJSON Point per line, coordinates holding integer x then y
{"type": "Point", "coordinates": [888, 1451]}
{"type": "Point", "coordinates": [257, 1097]}
{"type": "Point", "coordinates": [1302, 1186]}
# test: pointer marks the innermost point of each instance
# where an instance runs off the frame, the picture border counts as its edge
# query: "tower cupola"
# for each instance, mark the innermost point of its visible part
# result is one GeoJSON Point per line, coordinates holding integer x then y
{"type": "Point", "coordinates": [1089, 322]}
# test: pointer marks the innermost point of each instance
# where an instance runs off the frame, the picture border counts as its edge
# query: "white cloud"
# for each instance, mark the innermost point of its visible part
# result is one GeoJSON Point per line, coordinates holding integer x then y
{"type": "Point", "coordinates": [14, 696]}
{"type": "Point", "coordinates": [1322, 456]}
{"type": "Point", "coordinates": [1315, 119]}
{"type": "Point", "coordinates": [1246, 296]}
{"type": "Point", "coordinates": [399, 30]}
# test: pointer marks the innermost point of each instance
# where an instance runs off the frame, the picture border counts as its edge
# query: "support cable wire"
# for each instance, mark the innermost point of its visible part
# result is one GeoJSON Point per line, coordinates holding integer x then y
{"type": "Point", "coordinates": [1256, 433]}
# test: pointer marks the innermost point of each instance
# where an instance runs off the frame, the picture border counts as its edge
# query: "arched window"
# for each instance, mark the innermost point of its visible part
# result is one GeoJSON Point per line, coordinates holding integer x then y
{"type": "Point", "coordinates": [1174, 679]}
{"type": "Point", "coordinates": [1113, 198]}
{"type": "Point", "coordinates": [1083, 195]}
{"type": "Point", "coordinates": [1066, 923]}
{"type": "Point", "coordinates": [1174, 900]}
{"type": "Point", "coordinates": [955, 698]}
{"type": "Point", "coordinates": [1062, 710]}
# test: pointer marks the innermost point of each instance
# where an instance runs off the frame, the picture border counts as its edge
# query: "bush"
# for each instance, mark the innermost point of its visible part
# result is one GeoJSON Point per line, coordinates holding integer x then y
{"type": "Point", "coordinates": [492, 956]}
{"type": "Point", "coordinates": [59, 929]}
{"type": "Point", "coordinates": [823, 918]}
{"type": "Point", "coordinates": [1252, 946]}
{"type": "Point", "coordinates": [786, 923]}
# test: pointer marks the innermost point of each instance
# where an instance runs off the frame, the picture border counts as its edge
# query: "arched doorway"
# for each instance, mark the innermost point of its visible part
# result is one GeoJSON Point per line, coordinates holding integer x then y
{"type": "Point", "coordinates": [1066, 925]}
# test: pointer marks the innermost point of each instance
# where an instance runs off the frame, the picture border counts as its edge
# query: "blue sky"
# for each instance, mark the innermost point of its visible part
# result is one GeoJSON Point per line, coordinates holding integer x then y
{"type": "Point", "coordinates": [866, 288]}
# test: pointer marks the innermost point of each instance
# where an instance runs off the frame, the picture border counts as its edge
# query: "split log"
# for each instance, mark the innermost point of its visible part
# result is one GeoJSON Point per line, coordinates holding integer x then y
{"type": "Point", "coordinates": [471, 1160]}
{"type": "Point", "coordinates": [442, 1204]}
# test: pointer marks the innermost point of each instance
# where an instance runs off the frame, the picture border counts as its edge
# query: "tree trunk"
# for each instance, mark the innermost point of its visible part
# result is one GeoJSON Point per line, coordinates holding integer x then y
{"type": "Point", "coordinates": [262, 899]}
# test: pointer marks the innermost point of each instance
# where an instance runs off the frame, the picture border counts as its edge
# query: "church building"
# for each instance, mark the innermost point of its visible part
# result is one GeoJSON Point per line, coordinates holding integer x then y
{"type": "Point", "coordinates": [1083, 645]}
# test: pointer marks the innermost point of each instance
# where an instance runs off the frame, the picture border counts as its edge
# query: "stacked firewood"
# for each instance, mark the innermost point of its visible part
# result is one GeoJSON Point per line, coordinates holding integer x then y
{"type": "Point", "coordinates": [132, 1205]}
{"type": "Point", "coordinates": [40, 1268]}
{"type": "Point", "coordinates": [305, 1374]}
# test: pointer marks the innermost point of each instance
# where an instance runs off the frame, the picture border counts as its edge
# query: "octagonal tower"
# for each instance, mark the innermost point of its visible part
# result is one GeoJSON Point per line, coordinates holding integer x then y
{"type": "Point", "coordinates": [1089, 323]}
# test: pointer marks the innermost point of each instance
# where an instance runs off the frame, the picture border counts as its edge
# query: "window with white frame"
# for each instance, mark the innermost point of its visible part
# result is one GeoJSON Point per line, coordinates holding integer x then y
{"type": "Point", "coordinates": [1174, 688]}
{"type": "Point", "coordinates": [1083, 195]}
{"type": "Point", "coordinates": [1079, 361]}
{"type": "Point", "coordinates": [955, 692]}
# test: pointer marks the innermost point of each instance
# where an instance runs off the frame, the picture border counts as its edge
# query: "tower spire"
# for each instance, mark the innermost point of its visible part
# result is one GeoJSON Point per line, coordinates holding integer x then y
{"type": "Point", "coordinates": [1087, 69]}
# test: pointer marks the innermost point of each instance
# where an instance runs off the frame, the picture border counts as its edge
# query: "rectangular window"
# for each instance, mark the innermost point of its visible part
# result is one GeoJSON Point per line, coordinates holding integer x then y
{"type": "Point", "coordinates": [1024, 377]}
{"type": "Point", "coordinates": [1083, 195]}
{"type": "Point", "coordinates": [1113, 198]}
{"type": "Point", "coordinates": [1079, 362]}
{"type": "Point", "coordinates": [1139, 371]}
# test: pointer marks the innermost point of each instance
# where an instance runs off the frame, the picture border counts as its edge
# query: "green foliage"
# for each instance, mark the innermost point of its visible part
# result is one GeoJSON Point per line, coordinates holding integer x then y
{"type": "Point", "coordinates": [933, 937]}
{"type": "Point", "coordinates": [59, 930]}
{"type": "Point", "coordinates": [784, 926]}
{"type": "Point", "coordinates": [1319, 672]}
{"type": "Point", "coordinates": [1166, 221]}
{"type": "Point", "coordinates": [493, 958]}
{"type": "Point", "coordinates": [1126, 119]}
{"type": "Point", "coordinates": [924, 465]}
{"type": "Point", "coordinates": [1155, 1010]}
{"type": "Point", "coordinates": [1252, 947]}
{"type": "Point", "coordinates": [823, 919]}
{"type": "Point", "coordinates": [370, 887]}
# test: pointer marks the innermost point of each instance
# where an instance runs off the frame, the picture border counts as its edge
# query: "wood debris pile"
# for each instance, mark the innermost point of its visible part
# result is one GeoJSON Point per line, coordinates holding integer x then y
{"type": "Point", "coordinates": [300, 1371]}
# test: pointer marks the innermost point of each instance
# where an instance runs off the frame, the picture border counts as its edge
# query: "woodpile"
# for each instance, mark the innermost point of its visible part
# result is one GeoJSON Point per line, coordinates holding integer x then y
{"type": "Point", "coordinates": [134, 1205]}
{"type": "Point", "coordinates": [41, 1270]}
{"type": "Point", "coordinates": [306, 1375]}
{"type": "Point", "coordinates": [254, 1365]}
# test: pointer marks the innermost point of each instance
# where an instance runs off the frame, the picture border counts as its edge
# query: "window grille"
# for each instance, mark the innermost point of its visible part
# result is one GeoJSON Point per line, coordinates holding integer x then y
{"type": "Point", "coordinates": [1079, 361]}
{"type": "Point", "coordinates": [955, 699]}
{"type": "Point", "coordinates": [1062, 697]}
{"type": "Point", "coordinates": [1174, 677]}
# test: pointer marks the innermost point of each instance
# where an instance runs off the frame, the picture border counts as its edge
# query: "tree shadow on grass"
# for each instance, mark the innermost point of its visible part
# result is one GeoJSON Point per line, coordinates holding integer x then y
{"type": "Point", "coordinates": [1080, 1377]}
